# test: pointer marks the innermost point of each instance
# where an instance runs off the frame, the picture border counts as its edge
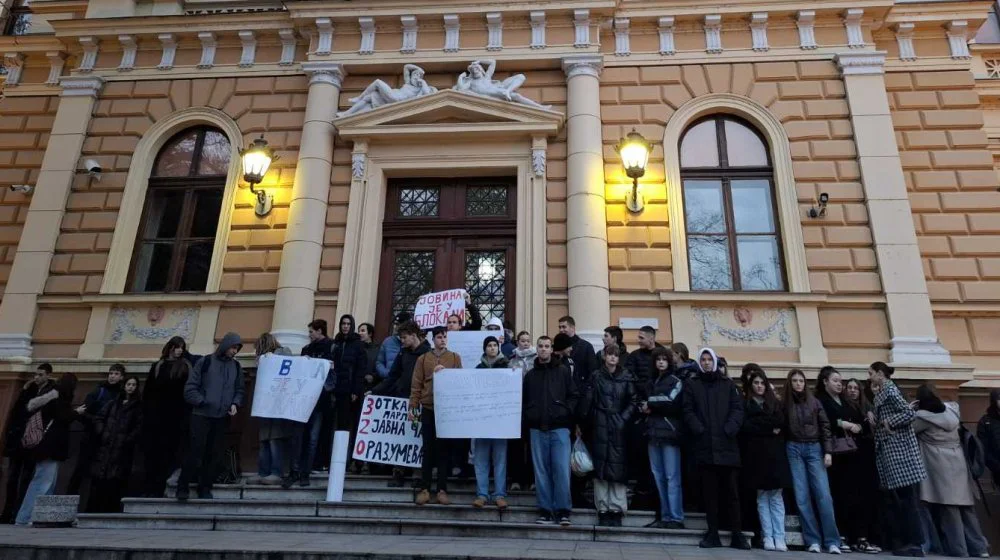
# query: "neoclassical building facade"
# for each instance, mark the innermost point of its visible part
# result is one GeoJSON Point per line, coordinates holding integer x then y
{"type": "Point", "coordinates": [821, 186]}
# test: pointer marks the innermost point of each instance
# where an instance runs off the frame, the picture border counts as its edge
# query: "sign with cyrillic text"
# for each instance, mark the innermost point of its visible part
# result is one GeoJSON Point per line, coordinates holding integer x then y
{"type": "Point", "coordinates": [288, 386]}
{"type": "Point", "coordinates": [385, 435]}
{"type": "Point", "coordinates": [432, 310]}
{"type": "Point", "coordinates": [477, 403]}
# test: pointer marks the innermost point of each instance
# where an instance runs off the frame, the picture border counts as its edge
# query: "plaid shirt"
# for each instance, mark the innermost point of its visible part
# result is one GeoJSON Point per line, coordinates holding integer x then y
{"type": "Point", "coordinates": [897, 454]}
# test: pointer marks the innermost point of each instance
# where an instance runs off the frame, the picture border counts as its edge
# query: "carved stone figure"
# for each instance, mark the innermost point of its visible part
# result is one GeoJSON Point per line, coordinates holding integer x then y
{"type": "Point", "coordinates": [479, 80]}
{"type": "Point", "coordinates": [378, 93]}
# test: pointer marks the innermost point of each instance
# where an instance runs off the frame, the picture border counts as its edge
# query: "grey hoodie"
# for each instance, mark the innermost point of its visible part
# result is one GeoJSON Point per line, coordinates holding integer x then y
{"type": "Point", "coordinates": [216, 381]}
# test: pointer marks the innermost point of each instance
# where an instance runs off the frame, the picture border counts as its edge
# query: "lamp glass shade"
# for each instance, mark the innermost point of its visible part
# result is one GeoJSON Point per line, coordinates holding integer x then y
{"type": "Point", "coordinates": [256, 160]}
{"type": "Point", "coordinates": [634, 152]}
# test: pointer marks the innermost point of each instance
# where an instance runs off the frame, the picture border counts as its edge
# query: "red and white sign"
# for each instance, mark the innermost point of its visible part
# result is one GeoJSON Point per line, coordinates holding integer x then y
{"type": "Point", "coordinates": [433, 309]}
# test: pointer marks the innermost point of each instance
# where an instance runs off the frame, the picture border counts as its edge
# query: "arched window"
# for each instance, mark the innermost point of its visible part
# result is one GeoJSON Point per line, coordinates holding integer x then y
{"type": "Point", "coordinates": [733, 239]}
{"type": "Point", "coordinates": [173, 249]}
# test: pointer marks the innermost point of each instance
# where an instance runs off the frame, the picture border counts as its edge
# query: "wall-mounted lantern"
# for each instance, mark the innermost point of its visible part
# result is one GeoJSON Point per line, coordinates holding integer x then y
{"type": "Point", "coordinates": [256, 160]}
{"type": "Point", "coordinates": [634, 151]}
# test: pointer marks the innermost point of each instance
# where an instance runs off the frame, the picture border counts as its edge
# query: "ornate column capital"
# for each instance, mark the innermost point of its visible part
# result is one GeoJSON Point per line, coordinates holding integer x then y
{"type": "Point", "coordinates": [861, 63]}
{"type": "Point", "coordinates": [81, 86]}
{"type": "Point", "coordinates": [588, 65]}
{"type": "Point", "coordinates": [332, 73]}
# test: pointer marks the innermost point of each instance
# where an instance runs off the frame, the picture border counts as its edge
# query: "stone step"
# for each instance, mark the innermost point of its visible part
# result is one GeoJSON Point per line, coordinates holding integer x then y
{"type": "Point", "coordinates": [315, 493]}
{"type": "Point", "coordinates": [376, 526]}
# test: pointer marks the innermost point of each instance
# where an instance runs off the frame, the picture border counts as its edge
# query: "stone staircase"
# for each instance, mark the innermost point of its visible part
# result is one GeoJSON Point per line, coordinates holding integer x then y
{"type": "Point", "coordinates": [372, 508]}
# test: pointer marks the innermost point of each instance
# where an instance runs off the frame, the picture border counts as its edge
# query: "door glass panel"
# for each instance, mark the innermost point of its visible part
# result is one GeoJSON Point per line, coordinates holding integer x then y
{"type": "Point", "coordinates": [163, 214]}
{"type": "Point", "coordinates": [709, 262]}
{"type": "Point", "coordinates": [760, 263]}
{"type": "Point", "coordinates": [700, 146]}
{"type": "Point", "coordinates": [752, 206]}
{"type": "Point", "coordinates": [486, 201]}
{"type": "Point", "coordinates": [194, 277]}
{"type": "Point", "coordinates": [412, 277]}
{"type": "Point", "coordinates": [207, 205]}
{"type": "Point", "coordinates": [743, 147]}
{"type": "Point", "coordinates": [152, 271]}
{"type": "Point", "coordinates": [703, 207]}
{"type": "Point", "coordinates": [422, 202]}
{"type": "Point", "coordinates": [486, 282]}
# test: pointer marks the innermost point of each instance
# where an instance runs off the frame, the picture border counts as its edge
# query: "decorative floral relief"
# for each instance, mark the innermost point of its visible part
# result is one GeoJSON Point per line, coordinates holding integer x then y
{"type": "Point", "coordinates": [741, 328]}
{"type": "Point", "coordinates": [151, 325]}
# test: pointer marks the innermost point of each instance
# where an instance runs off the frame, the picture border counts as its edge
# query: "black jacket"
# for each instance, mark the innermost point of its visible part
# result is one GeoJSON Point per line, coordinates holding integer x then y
{"type": "Point", "coordinates": [166, 412]}
{"type": "Point", "coordinates": [118, 426]}
{"type": "Point", "coordinates": [18, 418]}
{"type": "Point", "coordinates": [665, 422]}
{"type": "Point", "coordinates": [95, 401]}
{"type": "Point", "coordinates": [640, 363]}
{"type": "Point", "coordinates": [401, 372]}
{"type": "Point", "coordinates": [322, 349]}
{"type": "Point", "coordinates": [713, 413]}
{"type": "Point", "coordinates": [371, 358]}
{"type": "Point", "coordinates": [585, 363]}
{"type": "Point", "coordinates": [989, 434]}
{"type": "Point", "coordinates": [687, 370]}
{"type": "Point", "coordinates": [613, 403]}
{"type": "Point", "coordinates": [350, 361]}
{"type": "Point", "coordinates": [57, 416]}
{"type": "Point", "coordinates": [500, 363]}
{"type": "Point", "coordinates": [765, 463]}
{"type": "Point", "coordinates": [549, 396]}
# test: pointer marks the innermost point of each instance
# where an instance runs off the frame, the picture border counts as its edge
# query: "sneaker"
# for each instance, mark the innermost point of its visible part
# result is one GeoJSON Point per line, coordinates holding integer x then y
{"type": "Point", "coordinates": [183, 494]}
{"type": "Point", "coordinates": [813, 548]}
{"type": "Point", "coordinates": [456, 471]}
{"type": "Point", "coordinates": [710, 540]}
{"type": "Point", "coordinates": [739, 542]}
{"type": "Point", "coordinates": [515, 487]}
{"type": "Point", "coordinates": [780, 546]}
{"type": "Point", "coordinates": [423, 497]}
{"type": "Point", "coordinates": [479, 502]}
{"type": "Point", "coordinates": [673, 525]}
{"type": "Point", "coordinates": [833, 549]}
{"type": "Point", "coordinates": [768, 543]}
{"type": "Point", "coordinates": [655, 524]}
{"type": "Point", "coordinates": [442, 498]}
{"type": "Point", "coordinates": [271, 480]}
{"type": "Point", "coordinates": [255, 480]}
{"type": "Point", "coordinates": [501, 503]}
{"type": "Point", "coordinates": [844, 547]}
{"type": "Point", "coordinates": [544, 518]}
{"type": "Point", "coordinates": [865, 547]}
{"type": "Point", "coordinates": [564, 520]}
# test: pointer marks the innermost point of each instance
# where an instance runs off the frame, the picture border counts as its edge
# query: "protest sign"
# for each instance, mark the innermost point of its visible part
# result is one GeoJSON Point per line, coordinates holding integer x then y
{"type": "Point", "coordinates": [433, 309]}
{"type": "Point", "coordinates": [467, 344]}
{"type": "Point", "coordinates": [288, 386]}
{"type": "Point", "coordinates": [385, 435]}
{"type": "Point", "coordinates": [478, 403]}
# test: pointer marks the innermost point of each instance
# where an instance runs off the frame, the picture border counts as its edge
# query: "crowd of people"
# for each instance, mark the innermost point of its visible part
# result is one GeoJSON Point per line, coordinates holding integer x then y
{"type": "Point", "coordinates": [860, 463]}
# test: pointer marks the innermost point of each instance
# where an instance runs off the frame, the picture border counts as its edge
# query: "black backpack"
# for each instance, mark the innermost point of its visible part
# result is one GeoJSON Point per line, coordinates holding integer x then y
{"type": "Point", "coordinates": [975, 455]}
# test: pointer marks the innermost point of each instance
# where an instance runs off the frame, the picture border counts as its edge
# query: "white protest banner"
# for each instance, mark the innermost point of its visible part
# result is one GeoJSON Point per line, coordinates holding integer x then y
{"type": "Point", "coordinates": [385, 435]}
{"type": "Point", "coordinates": [433, 309]}
{"type": "Point", "coordinates": [288, 386]}
{"type": "Point", "coordinates": [478, 403]}
{"type": "Point", "coordinates": [467, 344]}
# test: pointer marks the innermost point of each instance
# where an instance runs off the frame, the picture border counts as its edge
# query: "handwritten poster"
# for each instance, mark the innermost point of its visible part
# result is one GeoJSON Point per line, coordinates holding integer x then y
{"type": "Point", "coordinates": [478, 403]}
{"type": "Point", "coordinates": [467, 344]}
{"type": "Point", "coordinates": [288, 386]}
{"type": "Point", "coordinates": [433, 309]}
{"type": "Point", "coordinates": [385, 435]}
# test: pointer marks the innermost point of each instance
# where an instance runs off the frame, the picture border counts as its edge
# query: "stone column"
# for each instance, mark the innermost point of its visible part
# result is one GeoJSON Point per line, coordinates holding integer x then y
{"type": "Point", "coordinates": [586, 217]}
{"type": "Point", "coordinates": [911, 322]}
{"type": "Point", "coordinates": [18, 308]}
{"type": "Point", "coordinates": [300, 257]}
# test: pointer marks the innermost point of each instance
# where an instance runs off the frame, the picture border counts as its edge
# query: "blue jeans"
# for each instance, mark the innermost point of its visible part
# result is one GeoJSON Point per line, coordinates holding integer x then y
{"type": "Point", "coordinates": [303, 459]}
{"type": "Point", "coordinates": [484, 450]}
{"type": "Point", "coordinates": [270, 458]}
{"type": "Point", "coordinates": [550, 454]}
{"type": "Point", "coordinates": [42, 484]}
{"type": "Point", "coordinates": [810, 483]}
{"type": "Point", "coordinates": [771, 510]}
{"type": "Point", "coordinates": [665, 462]}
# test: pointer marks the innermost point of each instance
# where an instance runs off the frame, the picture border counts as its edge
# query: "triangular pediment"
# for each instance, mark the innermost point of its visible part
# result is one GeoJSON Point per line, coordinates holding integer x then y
{"type": "Point", "coordinates": [451, 112]}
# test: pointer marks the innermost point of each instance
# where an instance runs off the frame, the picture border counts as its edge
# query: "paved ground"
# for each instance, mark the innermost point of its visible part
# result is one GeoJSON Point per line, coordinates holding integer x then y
{"type": "Point", "coordinates": [356, 546]}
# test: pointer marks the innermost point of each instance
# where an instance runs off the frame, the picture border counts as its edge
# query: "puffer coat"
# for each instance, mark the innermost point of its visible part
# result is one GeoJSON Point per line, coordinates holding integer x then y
{"type": "Point", "coordinates": [614, 398]}
{"type": "Point", "coordinates": [117, 427]}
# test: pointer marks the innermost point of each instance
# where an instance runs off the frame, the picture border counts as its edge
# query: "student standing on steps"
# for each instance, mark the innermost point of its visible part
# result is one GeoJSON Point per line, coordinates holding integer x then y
{"type": "Point", "coordinates": [93, 404]}
{"type": "Point", "coordinates": [436, 451]}
{"type": "Point", "coordinates": [486, 449]}
{"type": "Point", "coordinates": [664, 413]}
{"type": "Point", "coordinates": [215, 391]}
{"type": "Point", "coordinates": [549, 401]}
{"type": "Point", "coordinates": [166, 416]}
{"type": "Point", "coordinates": [519, 451]}
{"type": "Point", "coordinates": [118, 426]}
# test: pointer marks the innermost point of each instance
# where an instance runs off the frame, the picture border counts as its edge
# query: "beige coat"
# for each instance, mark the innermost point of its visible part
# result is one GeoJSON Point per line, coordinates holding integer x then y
{"type": "Point", "coordinates": [948, 481]}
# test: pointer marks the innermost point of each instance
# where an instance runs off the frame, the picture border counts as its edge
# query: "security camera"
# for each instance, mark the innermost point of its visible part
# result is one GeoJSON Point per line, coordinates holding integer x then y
{"type": "Point", "coordinates": [23, 189]}
{"type": "Point", "coordinates": [93, 168]}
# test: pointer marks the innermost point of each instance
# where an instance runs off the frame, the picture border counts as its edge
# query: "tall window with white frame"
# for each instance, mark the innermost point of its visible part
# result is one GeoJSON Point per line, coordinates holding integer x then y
{"type": "Point", "coordinates": [173, 249]}
{"type": "Point", "coordinates": [730, 212]}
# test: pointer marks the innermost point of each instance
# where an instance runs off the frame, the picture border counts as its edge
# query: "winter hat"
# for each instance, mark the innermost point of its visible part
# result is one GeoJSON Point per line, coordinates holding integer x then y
{"type": "Point", "coordinates": [561, 342]}
{"type": "Point", "coordinates": [488, 340]}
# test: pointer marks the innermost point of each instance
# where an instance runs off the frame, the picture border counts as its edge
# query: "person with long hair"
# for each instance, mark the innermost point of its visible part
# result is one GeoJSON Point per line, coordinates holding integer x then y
{"type": "Point", "coordinates": [277, 436]}
{"type": "Point", "coordinates": [664, 412]}
{"type": "Point", "coordinates": [865, 480]}
{"type": "Point", "coordinates": [948, 488]}
{"type": "Point", "coordinates": [846, 424]}
{"type": "Point", "coordinates": [118, 426]}
{"type": "Point", "coordinates": [166, 416]}
{"type": "Point", "coordinates": [899, 461]}
{"type": "Point", "coordinates": [765, 461]}
{"type": "Point", "coordinates": [809, 449]}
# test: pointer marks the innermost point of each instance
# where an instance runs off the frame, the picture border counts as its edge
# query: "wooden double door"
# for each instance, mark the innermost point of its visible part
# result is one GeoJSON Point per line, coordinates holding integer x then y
{"type": "Point", "coordinates": [440, 234]}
